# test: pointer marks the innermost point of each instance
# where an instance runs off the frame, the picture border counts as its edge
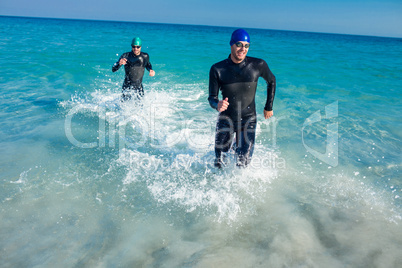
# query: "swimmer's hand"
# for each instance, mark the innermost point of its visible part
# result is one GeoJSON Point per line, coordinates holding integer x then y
{"type": "Point", "coordinates": [223, 105]}
{"type": "Point", "coordinates": [268, 114]}
{"type": "Point", "coordinates": [151, 73]}
{"type": "Point", "coordinates": [123, 61]}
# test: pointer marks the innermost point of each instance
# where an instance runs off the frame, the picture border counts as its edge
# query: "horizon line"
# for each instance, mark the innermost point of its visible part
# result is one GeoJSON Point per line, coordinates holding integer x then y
{"type": "Point", "coordinates": [202, 25]}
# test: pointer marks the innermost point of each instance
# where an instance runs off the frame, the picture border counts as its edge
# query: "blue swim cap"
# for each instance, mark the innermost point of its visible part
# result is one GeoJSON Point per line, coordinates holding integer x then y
{"type": "Point", "coordinates": [239, 35]}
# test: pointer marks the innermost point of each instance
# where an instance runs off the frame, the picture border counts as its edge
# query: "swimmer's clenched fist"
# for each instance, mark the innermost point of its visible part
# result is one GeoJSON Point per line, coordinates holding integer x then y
{"type": "Point", "coordinates": [223, 105]}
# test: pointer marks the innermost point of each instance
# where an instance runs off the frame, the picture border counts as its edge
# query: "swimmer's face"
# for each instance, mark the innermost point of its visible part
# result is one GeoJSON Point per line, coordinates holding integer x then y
{"type": "Point", "coordinates": [239, 51]}
{"type": "Point", "coordinates": [136, 50]}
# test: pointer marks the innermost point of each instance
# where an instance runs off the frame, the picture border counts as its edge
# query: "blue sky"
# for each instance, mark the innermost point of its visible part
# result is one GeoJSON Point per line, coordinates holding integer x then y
{"type": "Point", "coordinates": [363, 17]}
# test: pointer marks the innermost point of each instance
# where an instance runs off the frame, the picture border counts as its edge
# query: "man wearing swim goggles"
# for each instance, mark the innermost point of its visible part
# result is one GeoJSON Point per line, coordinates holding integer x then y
{"type": "Point", "coordinates": [135, 62]}
{"type": "Point", "coordinates": [237, 77]}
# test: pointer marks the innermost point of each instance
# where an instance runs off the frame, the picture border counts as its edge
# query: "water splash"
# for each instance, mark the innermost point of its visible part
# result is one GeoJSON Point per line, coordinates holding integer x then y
{"type": "Point", "coordinates": [170, 149]}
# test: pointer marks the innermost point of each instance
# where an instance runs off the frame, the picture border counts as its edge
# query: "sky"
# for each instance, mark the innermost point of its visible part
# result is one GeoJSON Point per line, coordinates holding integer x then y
{"type": "Point", "coordinates": [361, 17]}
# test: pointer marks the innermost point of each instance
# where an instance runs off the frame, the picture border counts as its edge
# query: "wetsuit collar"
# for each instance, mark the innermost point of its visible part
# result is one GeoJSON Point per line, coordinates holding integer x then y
{"type": "Point", "coordinates": [242, 62]}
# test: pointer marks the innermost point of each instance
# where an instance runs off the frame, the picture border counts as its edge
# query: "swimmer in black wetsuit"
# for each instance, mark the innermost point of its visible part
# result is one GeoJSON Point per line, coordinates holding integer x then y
{"type": "Point", "coordinates": [237, 78]}
{"type": "Point", "coordinates": [135, 62]}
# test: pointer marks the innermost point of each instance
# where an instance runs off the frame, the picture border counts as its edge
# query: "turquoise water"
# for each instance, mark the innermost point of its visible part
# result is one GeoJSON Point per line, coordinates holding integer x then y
{"type": "Point", "coordinates": [89, 181]}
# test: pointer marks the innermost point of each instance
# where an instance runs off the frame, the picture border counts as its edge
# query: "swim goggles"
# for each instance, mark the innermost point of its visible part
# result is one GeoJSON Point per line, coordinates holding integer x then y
{"type": "Point", "coordinates": [240, 44]}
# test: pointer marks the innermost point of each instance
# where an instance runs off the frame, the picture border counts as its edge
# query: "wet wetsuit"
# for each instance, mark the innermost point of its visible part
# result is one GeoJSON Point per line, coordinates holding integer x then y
{"type": "Point", "coordinates": [238, 83]}
{"type": "Point", "coordinates": [134, 69]}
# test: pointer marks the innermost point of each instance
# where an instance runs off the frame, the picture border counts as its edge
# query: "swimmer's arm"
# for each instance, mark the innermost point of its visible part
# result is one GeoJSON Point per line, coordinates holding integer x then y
{"type": "Point", "coordinates": [148, 65]}
{"type": "Point", "coordinates": [120, 62]}
{"type": "Point", "coordinates": [269, 77]}
{"type": "Point", "coordinates": [213, 89]}
{"type": "Point", "coordinates": [213, 101]}
{"type": "Point", "coordinates": [115, 67]}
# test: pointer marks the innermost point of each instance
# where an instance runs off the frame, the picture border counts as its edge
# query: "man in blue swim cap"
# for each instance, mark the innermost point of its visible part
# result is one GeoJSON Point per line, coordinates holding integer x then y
{"type": "Point", "coordinates": [135, 62]}
{"type": "Point", "coordinates": [237, 77]}
{"type": "Point", "coordinates": [239, 36]}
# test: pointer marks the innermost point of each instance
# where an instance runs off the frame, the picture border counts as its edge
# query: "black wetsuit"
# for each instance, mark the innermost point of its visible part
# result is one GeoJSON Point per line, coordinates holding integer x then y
{"type": "Point", "coordinates": [238, 83]}
{"type": "Point", "coordinates": [134, 69]}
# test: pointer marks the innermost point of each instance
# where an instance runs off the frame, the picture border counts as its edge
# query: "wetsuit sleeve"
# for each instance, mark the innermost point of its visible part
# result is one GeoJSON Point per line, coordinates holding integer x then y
{"type": "Point", "coordinates": [117, 65]}
{"type": "Point", "coordinates": [271, 86]}
{"type": "Point", "coordinates": [213, 88]}
{"type": "Point", "coordinates": [148, 64]}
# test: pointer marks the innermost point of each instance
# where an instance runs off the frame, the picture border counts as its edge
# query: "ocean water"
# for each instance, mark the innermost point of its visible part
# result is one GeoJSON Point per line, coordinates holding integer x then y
{"type": "Point", "coordinates": [89, 181]}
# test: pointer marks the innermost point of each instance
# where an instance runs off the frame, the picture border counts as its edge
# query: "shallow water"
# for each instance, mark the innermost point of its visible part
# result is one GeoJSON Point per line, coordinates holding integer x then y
{"type": "Point", "coordinates": [89, 181]}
